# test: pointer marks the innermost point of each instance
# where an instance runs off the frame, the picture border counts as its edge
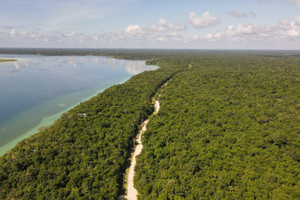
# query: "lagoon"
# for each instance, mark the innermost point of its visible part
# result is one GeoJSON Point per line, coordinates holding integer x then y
{"type": "Point", "coordinates": [36, 90]}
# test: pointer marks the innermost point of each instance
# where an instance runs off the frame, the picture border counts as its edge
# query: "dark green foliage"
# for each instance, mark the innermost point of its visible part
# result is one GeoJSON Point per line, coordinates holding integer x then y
{"type": "Point", "coordinates": [83, 154]}
{"type": "Point", "coordinates": [228, 128]}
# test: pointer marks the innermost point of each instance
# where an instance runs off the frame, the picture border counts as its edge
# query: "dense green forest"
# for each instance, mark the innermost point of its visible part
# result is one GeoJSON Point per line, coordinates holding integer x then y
{"type": "Point", "coordinates": [228, 127]}
{"type": "Point", "coordinates": [84, 153]}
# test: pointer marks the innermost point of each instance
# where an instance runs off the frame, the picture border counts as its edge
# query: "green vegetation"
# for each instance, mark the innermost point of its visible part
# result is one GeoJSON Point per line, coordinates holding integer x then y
{"type": "Point", "coordinates": [7, 60]}
{"type": "Point", "coordinates": [83, 154]}
{"type": "Point", "coordinates": [228, 127]}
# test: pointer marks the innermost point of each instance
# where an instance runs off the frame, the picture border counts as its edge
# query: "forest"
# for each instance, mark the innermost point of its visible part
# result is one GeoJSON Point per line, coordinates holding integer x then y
{"type": "Point", "coordinates": [228, 128]}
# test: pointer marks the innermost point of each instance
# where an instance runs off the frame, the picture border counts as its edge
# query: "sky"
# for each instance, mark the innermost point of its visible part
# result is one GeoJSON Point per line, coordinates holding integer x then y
{"type": "Point", "coordinates": [179, 24]}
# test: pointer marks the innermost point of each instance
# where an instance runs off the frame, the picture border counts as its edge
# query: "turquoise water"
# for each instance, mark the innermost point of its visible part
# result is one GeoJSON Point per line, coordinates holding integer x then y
{"type": "Point", "coordinates": [36, 90]}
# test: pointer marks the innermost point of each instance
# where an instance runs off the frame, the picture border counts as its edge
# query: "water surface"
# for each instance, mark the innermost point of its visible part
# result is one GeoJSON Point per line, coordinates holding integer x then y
{"type": "Point", "coordinates": [36, 90]}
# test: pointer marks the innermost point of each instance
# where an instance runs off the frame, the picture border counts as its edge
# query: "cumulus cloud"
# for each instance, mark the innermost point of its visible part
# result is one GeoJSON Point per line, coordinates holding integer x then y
{"type": "Point", "coordinates": [95, 38]}
{"type": "Point", "coordinates": [153, 32]}
{"type": "Point", "coordinates": [33, 36]}
{"type": "Point", "coordinates": [70, 34]}
{"type": "Point", "coordinates": [290, 28]}
{"type": "Point", "coordinates": [163, 25]}
{"type": "Point", "coordinates": [204, 20]}
{"type": "Point", "coordinates": [13, 31]}
{"type": "Point", "coordinates": [171, 38]}
{"type": "Point", "coordinates": [236, 13]}
{"type": "Point", "coordinates": [133, 29]}
{"type": "Point", "coordinates": [232, 33]}
{"type": "Point", "coordinates": [165, 34]}
{"type": "Point", "coordinates": [246, 31]}
{"type": "Point", "coordinates": [136, 31]}
{"type": "Point", "coordinates": [286, 30]}
{"type": "Point", "coordinates": [297, 2]}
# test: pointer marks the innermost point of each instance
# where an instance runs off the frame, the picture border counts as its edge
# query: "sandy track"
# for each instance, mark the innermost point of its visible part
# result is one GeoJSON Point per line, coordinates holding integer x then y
{"type": "Point", "coordinates": [131, 191]}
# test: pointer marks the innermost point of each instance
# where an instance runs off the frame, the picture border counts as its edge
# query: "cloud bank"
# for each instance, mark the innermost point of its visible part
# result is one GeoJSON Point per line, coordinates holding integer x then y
{"type": "Point", "coordinates": [204, 20]}
{"type": "Point", "coordinates": [166, 34]}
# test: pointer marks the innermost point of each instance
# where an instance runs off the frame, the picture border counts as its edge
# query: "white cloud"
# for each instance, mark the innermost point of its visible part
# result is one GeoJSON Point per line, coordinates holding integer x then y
{"type": "Point", "coordinates": [133, 30]}
{"type": "Point", "coordinates": [292, 33]}
{"type": "Point", "coordinates": [95, 38]}
{"type": "Point", "coordinates": [297, 2]}
{"type": "Point", "coordinates": [285, 31]}
{"type": "Point", "coordinates": [164, 34]}
{"type": "Point", "coordinates": [236, 13]}
{"type": "Point", "coordinates": [13, 31]}
{"type": "Point", "coordinates": [244, 29]}
{"type": "Point", "coordinates": [290, 28]}
{"type": "Point", "coordinates": [233, 33]}
{"type": "Point", "coordinates": [136, 31]}
{"type": "Point", "coordinates": [204, 20]}
{"type": "Point", "coordinates": [242, 32]}
{"type": "Point", "coordinates": [162, 25]}
{"type": "Point", "coordinates": [22, 33]}
{"type": "Point", "coordinates": [33, 36]}
{"type": "Point", "coordinates": [161, 39]}
{"type": "Point", "coordinates": [154, 32]}
{"type": "Point", "coordinates": [70, 34]}
{"type": "Point", "coordinates": [297, 20]}
{"type": "Point", "coordinates": [112, 37]}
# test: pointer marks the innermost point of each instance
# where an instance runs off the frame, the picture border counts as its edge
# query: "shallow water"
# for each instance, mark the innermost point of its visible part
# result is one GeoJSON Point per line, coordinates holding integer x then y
{"type": "Point", "coordinates": [36, 90]}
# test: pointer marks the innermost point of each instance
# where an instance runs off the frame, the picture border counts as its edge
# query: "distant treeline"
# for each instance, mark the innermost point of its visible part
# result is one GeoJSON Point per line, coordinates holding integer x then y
{"type": "Point", "coordinates": [228, 128]}
{"type": "Point", "coordinates": [138, 54]}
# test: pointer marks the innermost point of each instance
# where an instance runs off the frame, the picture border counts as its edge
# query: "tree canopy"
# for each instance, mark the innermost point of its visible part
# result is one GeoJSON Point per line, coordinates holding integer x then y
{"type": "Point", "coordinates": [228, 128]}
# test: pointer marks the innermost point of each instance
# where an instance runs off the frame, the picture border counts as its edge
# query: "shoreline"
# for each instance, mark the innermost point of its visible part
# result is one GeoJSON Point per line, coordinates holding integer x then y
{"type": "Point", "coordinates": [49, 120]}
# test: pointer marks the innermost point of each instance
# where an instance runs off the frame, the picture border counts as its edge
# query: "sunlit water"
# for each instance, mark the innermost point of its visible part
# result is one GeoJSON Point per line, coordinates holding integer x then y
{"type": "Point", "coordinates": [36, 90]}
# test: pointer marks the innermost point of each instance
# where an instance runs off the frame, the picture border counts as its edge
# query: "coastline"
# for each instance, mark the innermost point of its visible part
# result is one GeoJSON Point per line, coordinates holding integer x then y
{"type": "Point", "coordinates": [48, 120]}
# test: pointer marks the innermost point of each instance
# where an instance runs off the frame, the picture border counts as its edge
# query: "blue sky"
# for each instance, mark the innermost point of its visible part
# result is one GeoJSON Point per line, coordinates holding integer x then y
{"type": "Point", "coordinates": [195, 24]}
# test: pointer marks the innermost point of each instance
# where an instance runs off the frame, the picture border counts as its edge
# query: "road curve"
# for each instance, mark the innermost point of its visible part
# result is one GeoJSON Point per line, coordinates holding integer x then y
{"type": "Point", "coordinates": [131, 191]}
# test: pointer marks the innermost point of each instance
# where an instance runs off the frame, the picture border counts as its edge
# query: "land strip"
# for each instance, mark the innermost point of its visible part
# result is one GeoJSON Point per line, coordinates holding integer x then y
{"type": "Point", "coordinates": [8, 60]}
{"type": "Point", "coordinates": [131, 191]}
